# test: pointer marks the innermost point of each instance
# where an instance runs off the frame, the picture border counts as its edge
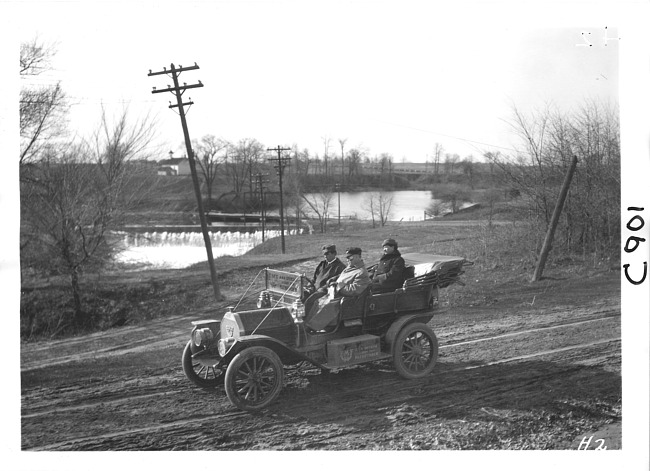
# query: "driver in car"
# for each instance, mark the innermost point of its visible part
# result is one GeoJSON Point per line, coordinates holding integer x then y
{"type": "Point", "coordinates": [327, 269]}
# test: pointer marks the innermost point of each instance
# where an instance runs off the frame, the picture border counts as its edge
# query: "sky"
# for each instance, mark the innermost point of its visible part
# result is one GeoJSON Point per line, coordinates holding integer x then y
{"type": "Point", "coordinates": [394, 77]}
{"type": "Point", "coordinates": [389, 76]}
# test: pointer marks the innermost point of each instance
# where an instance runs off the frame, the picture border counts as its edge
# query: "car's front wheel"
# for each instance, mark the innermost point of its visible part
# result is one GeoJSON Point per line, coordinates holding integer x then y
{"type": "Point", "coordinates": [415, 351]}
{"type": "Point", "coordinates": [203, 373]}
{"type": "Point", "coordinates": [254, 378]}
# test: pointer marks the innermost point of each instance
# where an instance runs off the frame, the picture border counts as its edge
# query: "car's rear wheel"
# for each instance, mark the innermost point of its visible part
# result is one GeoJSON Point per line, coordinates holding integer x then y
{"type": "Point", "coordinates": [254, 378]}
{"type": "Point", "coordinates": [203, 373]}
{"type": "Point", "coordinates": [415, 351]}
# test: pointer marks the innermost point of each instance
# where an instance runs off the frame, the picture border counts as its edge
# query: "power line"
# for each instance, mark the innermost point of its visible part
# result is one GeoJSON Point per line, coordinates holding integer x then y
{"type": "Point", "coordinates": [87, 102]}
{"type": "Point", "coordinates": [446, 135]}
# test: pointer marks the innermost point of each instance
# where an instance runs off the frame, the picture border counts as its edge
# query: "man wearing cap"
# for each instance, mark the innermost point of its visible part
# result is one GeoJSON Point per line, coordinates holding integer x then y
{"type": "Point", "coordinates": [390, 271]}
{"type": "Point", "coordinates": [354, 280]}
{"type": "Point", "coordinates": [347, 294]}
{"type": "Point", "coordinates": [328, 268]}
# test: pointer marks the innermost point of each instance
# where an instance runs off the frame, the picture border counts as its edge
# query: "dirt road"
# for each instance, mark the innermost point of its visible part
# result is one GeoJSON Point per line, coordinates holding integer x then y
{"type": "Point", "coordinates": [521, 366]}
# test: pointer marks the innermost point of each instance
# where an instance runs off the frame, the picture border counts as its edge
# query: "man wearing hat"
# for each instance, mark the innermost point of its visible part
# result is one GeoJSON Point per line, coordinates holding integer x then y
{"type": "Point", "coordinates": [354, 280]}
{"type": "Point", "coordinates": [390, 271]}
{"type": "Point", "coordinates": [347, 294]}
{"type": "Point", "coordinates": [328, 268]}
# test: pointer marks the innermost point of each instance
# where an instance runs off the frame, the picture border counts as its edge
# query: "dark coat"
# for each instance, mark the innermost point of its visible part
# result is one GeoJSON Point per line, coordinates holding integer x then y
{"type": "Point", "coordinates": [390, 272]}
{"type": "Point", "coordinates": [324, 271]}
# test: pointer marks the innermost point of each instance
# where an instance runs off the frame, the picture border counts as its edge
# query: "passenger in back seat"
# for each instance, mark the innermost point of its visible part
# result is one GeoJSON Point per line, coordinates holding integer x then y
{"type": "Point", "coordinates": [391, 269]}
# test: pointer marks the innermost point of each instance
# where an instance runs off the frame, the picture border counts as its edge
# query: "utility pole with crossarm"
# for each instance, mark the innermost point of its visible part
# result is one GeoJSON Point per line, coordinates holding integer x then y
{"type": "Point", "coordinates": [178, 91]}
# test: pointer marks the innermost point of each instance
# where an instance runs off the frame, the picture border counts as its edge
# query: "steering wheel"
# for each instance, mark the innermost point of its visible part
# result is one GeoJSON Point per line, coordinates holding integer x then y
{"type": "Point", "coordinates": [311, 283]}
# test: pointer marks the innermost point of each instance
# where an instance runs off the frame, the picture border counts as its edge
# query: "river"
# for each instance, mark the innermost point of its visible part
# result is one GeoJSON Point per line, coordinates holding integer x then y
{"type": "Point", "coordinates": [406, 205]}
{"type": "Point", "coordinates": [181, 249]}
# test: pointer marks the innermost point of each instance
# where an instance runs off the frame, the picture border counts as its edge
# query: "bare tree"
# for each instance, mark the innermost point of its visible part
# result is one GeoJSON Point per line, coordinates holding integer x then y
{"type": "Point", "coordinates": [320, 205]}
{"type": "Point", "coordinates": [491, 197]}
{"type": "Point", "coordinates": [385, 163]}
{"type": "Point", "coordinates": [533, 171]}
{"type": "Point", "coordinates": [385, 205]}
{"type": "Point", "coordinates": [450, 161]}
{"type": "Point", "coordinates": [74, 196]}
{"type": "Point", "coordinates": [42, 108]}
{"type": "Point", "coordinates": [304, 161]}
{"type": "Point", "coordinates": [379, 205]}
{"type": "Point", "coordinates": [301, 161]}
{"type": "Point", "coordinates": [435, 208]}
{"type": "Point", "coordinates": [550, 139]}
{"type": "Point", "coordinates": [468, 169]}
{"type": "Point", "coordinates": [210, 153]}
{"type": "Point", "coordinates": [317, 164]}
{"type": "Point", "coordinates": [294, 199]}
{"type": "Point", "coordinates": [437, 154]}
{"type": "Point", "coordinates": [369, 204]}
{"type": "Point", "coordinates": [326, 144]}
{"type": "Point", "coordinates": [242, 160]}
{"type": "Point", "coordinates": [355, 158]}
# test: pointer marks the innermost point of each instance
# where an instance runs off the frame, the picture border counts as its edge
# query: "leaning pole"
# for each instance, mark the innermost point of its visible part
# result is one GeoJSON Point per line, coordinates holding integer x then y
{"type": "Point", "coordinates": [550, 233]}
{"type": "Point", "coordinates": [178, 91]}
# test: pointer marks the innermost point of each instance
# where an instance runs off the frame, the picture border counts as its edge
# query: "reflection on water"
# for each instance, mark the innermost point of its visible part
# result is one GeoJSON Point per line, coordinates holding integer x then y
{"type": "Point", "coordinates": [182, 249]}
{"type": "Point", "coordinates": [406, 205]}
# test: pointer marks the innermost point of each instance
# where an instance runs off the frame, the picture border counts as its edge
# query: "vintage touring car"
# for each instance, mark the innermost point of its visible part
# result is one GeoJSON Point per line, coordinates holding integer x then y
{"type": "Point", "coordinates": [246, 351]}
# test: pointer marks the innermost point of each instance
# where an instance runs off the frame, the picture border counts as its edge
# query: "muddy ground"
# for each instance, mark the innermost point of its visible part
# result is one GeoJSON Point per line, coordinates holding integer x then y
{"type": "Point", "coordinates": [522, 366]}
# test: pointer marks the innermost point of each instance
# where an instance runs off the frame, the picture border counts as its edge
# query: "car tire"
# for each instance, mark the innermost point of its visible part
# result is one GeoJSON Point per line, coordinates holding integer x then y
{"type": "Point", "coordinates": [204, 375]}
{"type": "Point", "coordinates": [254, 378]}
{"type": "Point", "coordinates": [415, 351]}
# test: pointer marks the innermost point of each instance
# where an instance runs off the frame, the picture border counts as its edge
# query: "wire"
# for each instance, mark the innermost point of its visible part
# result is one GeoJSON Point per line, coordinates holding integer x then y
{"type": "Point", "coordinates": [446, 135]}
{"type": "Point", "coordinates": [248, 289]}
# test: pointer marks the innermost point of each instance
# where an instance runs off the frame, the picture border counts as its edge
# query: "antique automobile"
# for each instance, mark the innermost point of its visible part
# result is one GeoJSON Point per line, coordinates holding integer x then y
{"type": "Point", "coordinates": [247, 351]}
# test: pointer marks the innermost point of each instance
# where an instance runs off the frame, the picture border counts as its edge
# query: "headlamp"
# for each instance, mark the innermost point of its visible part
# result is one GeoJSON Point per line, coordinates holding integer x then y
{"type": "Point", "coordinates": [202, 337]}
{"type": "Point", "coordinates": [224, 345]}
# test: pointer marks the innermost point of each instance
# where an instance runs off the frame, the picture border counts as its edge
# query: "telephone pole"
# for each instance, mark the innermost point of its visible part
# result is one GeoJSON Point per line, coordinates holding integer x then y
{"type": "Point", "coordinates": [178, 91]}
{"type": "Point", "coordinates": [281, 162]}
{"type": "Point", "coordinates": [260, 184]}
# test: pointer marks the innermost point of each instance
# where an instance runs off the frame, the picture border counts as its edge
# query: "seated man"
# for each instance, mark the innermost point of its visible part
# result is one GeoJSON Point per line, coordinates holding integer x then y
{"type": "Point", "coordinates": [390, 271]}
{"type": "Point", "coordinates": [327, 269]}
{"type": "Point", "coordinates": [346, 294]}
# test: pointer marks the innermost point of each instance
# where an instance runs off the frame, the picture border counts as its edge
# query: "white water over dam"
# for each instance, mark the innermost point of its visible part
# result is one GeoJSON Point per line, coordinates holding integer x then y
{"type": "Point", "coordinates": [182, 249]}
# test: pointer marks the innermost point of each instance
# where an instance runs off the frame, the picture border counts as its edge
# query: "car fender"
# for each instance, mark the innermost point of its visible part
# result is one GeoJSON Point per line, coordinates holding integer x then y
{"type": "Point", "coordinates": [283, 350]}
{"type": "Point", "coordinates": [399, 323]}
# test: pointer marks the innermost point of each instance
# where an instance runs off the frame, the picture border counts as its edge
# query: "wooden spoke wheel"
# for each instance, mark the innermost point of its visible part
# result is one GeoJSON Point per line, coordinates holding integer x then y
{"type": "Point", "coordinates": [415, 351]}
{"type": "Point", "coordinates": [203, 373]}
{"type": "Point", "coordinates": [254, 378]}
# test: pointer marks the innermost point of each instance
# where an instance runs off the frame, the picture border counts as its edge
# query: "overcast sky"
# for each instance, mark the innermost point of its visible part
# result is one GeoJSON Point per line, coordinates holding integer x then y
{"type": "Point", "coordinates": [390, 76]}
